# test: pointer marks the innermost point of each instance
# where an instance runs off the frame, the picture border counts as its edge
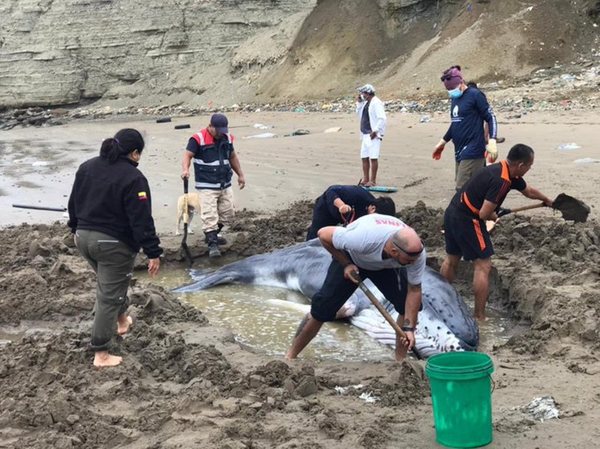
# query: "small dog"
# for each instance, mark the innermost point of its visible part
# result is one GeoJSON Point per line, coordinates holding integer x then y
{"type": "Point", "coordinates": [193, 202]}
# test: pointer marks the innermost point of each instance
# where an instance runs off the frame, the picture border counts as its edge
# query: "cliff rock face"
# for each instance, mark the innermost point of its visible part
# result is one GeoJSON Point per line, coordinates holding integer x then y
{"type": "Point", "coordinates": [221, 52]}
{"type": "Point", "coordinates": [55, 52]}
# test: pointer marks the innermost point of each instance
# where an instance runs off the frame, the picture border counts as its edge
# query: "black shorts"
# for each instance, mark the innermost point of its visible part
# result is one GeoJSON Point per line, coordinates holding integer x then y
{"type": "Point", "coordinates": [337, 289]}
{"type": "Point", "coordinates": [466, 236]}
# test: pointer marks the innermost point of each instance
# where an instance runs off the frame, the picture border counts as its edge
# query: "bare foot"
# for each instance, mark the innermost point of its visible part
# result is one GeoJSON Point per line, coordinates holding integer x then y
{"type": "Point", "coordinates": [124, 322]}
{"type": "Point", "coordinates": [481, 318]}
{"type": "Point", "coordinates": [103, 358]}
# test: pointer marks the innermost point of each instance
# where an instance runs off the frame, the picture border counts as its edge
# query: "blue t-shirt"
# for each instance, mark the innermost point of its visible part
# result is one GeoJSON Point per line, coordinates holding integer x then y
{"type": "Point", "coordinates": [467, 114]}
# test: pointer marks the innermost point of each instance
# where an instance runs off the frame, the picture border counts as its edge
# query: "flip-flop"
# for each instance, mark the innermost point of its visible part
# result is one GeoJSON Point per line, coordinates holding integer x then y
{"type": "Point", "coordinates": [130, 321]}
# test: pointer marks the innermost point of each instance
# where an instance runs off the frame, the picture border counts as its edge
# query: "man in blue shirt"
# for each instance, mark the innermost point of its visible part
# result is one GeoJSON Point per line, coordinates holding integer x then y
{"type": "Point", "coordinates": [343, 204]}
{"type": "Point", "coordinates": [468, 111]}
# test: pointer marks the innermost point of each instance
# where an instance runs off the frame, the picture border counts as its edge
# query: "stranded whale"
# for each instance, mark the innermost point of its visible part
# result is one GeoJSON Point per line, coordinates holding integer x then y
{"type": "Point", "coordinates": [444, 323]}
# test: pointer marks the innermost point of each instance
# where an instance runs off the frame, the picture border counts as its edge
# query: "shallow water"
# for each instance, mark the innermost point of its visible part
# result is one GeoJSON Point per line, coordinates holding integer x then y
{"type": "Point", "coordinates": [265, 319]}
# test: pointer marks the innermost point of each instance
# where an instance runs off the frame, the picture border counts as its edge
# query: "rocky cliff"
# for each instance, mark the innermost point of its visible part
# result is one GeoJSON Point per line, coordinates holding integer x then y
{"type": "Point", "coordinates": [55, 52]}
{"type": "Point", "coordinates": [208, 53]}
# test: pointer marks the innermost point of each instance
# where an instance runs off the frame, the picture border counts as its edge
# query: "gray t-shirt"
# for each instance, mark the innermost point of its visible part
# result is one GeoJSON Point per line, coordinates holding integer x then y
{"type": "Point", "coordinates": [364, 240]}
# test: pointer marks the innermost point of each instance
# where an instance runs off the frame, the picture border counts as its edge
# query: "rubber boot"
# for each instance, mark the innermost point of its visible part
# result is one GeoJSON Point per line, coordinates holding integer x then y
{"type": "Point", "coordinates": [220, 239]}
{"type": "Point", "coordinates": [213, 244]}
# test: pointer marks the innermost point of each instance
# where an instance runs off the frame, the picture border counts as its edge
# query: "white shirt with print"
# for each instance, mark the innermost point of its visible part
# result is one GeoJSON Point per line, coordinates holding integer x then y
{"type": "Point", "coordinates": [364, 240]}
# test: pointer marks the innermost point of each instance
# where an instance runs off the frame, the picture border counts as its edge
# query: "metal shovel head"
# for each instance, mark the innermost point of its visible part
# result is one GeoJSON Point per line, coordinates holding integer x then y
{"type": "Point", "coordinates": [571, 208]}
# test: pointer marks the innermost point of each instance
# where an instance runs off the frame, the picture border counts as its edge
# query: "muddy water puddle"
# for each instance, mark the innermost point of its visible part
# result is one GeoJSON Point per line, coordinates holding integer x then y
{"type": "Point", "coordinates": [265, 319]}
{"type": "Point", "coordinates": [39, 173]}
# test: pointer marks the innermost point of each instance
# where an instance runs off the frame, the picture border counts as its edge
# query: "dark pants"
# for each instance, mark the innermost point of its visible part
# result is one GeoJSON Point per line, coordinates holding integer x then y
{"type": "Point", "coordinates": [337, 289]}
{"type": "Point", "coordinates": [321, 218]}
{"type": "Point", "coordinates": [112, 261]}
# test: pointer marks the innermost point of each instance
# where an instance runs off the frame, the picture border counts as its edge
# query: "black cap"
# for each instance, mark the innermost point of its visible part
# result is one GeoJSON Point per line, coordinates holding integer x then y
{"type": "Point", "coordinates": [220, 122]}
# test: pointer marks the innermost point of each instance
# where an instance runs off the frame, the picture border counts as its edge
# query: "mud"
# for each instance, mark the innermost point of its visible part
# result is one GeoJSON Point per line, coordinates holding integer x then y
{"type": "Point", "coordinates": [186, 384]}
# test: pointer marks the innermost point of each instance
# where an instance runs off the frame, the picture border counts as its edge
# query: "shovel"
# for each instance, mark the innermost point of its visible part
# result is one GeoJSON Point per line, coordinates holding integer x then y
{"type": "Point", "coordinates": [570, 208]}
{"type": "Point", "coordinates": [186, 220]}
{"type": "Point", "coordinates": [379, 307]}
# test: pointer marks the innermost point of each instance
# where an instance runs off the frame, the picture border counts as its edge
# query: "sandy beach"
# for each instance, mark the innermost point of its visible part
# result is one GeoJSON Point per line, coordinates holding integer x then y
{"type": "Point", "coordinates": [186, 383]}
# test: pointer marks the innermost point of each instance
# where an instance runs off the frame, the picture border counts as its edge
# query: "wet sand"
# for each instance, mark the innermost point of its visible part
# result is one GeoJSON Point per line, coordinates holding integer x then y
{"type": "Point", "coordinates": [185, 383]}
{"type": "Point", "coordinates": [284, 169]}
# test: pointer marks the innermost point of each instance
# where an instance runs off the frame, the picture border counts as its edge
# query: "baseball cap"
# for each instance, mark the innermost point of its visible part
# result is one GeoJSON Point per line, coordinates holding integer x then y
{"type": "Point", "coordinates": [220, 122]}
{"type": "Point", "coordinates": [367, 89]}
{"type": "Point", "coordinates": [452, 77]}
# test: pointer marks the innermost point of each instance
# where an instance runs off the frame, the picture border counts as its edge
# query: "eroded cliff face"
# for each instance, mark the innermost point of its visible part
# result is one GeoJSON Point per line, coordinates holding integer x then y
{"type": "Point", "coordinates": [56, 52]}
{"type": "Point", "coordinates": [212, 53]}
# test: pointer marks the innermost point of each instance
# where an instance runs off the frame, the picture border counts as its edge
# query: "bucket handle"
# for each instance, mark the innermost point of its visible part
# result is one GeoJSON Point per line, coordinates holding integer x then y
{"type": "Point", "coordinates": [492, 383]}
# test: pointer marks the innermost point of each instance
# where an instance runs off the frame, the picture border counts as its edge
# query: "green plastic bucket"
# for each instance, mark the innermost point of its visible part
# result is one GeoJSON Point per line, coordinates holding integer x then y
{"type": "Point", "coordinates": [462, 398]}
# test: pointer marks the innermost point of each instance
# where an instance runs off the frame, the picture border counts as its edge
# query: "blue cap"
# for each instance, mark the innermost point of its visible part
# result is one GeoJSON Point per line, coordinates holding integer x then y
{"type": "Point", "coordinates": [220, 122]}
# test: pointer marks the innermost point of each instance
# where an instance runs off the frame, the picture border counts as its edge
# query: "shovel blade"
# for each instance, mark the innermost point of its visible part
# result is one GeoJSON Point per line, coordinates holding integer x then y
{"type": "Point", "coordinates": [571, 208]}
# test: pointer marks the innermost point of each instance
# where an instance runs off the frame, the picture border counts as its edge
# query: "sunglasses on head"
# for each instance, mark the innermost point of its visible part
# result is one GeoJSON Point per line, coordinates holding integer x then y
{"type": "Point", "coordinates": [448, 77]}
{"type": "Point", "coordinates": [409, 253]}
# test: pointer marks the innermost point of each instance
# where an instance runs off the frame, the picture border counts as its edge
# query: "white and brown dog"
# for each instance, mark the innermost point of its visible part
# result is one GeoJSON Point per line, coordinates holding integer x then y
{"type": "Point", "coordinates": [193, 204]}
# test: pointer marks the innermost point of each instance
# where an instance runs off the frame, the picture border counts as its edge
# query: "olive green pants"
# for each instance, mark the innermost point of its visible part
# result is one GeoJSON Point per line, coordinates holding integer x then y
{"type": "Point", "coordinates": [112, 261]}
{"type": "Point", "coordinates": [463, 170]}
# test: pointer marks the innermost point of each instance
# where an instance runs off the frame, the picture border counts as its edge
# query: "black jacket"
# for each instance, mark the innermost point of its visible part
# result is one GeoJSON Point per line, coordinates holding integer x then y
{"type": "Point", "coordinates": [114, 199]}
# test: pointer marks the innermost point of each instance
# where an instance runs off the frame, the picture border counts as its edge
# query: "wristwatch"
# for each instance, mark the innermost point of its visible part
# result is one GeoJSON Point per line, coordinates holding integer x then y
{"type": "Point", "coordinates": [407, 329]}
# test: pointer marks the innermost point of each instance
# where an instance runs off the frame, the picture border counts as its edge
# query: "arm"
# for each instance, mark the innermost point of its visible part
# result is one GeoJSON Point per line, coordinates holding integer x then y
{"type": "Point", "coordinates": [359, 105]}
{"type": "Point", "coordinates": [535, 194]}
{"type": "Point", "coordinates": [486, 112]}
{"type": "Point", "coordinates": [139, 213]}
{"type": "Point", "coordinates": [488, 211]}
{"type": "Point", "coordinates": [380, 120]}
{"type": "Point", "coordinates": [185, 163]}
{"type": "Point", "coordinates": [72, 223]}
{"type": "Point", "coordinates": [237, 168]}
{"type": "Point", "coordinates": [333, 198]}
{"type": "Point", "coordinates": [409, 320]}
{"type": "Point", "coordinates": [326, 237]}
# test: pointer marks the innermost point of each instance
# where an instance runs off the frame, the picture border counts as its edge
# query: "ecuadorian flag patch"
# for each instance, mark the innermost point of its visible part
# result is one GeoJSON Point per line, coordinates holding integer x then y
{"type": "Point", "coordinates": [142, 196]}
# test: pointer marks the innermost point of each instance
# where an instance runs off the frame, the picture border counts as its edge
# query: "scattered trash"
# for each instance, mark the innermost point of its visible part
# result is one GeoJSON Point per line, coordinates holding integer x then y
{"type": "Point", "coordinates": [568, 146]}
{"type": "Point", "coordinates": [425, 119]}
{"type": "Point", "coordinates": [260, 136]}
{"type": "Point", "coordinates": [300, 132]}
{"type": "Point", "coordinates": [586, 160]}
{"type": "Point", "coordinates": [344, 390]}
{"type": "Point", "coordinates": [335, 129]}
{"type": "Point", "coordinates": [186, 126]}
{"type": "Point", "coordinates": [368, 397]}
{"type": "Point", "coordinates": [567, 77]}
{"type": "Point", "coordinates": [542, 408]}
{"type": "Point", "coordinates": [299, 109]}
{"type": "Point", "coordinates": [261, 126]}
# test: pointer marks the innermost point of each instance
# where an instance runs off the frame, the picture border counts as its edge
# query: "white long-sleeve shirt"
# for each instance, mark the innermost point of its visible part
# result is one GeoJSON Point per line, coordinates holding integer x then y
{"type": "Point", "coordinates": [377, 116]}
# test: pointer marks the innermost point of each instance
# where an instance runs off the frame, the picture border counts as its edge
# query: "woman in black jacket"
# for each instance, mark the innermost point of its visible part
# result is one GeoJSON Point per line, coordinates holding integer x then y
{"type": "Point", "coordinates": [110, 213]}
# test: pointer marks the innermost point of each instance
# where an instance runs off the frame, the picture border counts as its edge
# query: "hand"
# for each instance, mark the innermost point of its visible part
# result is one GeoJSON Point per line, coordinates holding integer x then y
{"type": "Point", "coordinates": [185, 174]}
{"type": "Point", "coordinates": [241, 182]}
{"type": "Point", "coordinates": [410, 340]}
{"type": "Point", "coordinates": [491, 151]}
{"type": "Point", "coordinates": [437, 154]}
{"type": "Point", "coordinates": [344, 209]}
{"type": "Point", "coordinates": [503, 211]}
{"type": "Point", "coordinates": [153, 266]}
{"type": "Point", "coordinates": [351, 273]}
{"type": "Point", "coordinates": [548, 202]}
{"type": "Point", "coordinates": [373, 134]}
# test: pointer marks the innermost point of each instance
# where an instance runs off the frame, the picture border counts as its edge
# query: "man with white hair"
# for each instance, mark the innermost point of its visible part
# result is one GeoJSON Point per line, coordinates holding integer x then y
{"type": "Point", "coordinates": [371, 113]}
